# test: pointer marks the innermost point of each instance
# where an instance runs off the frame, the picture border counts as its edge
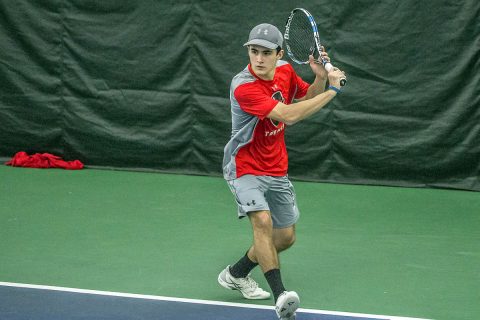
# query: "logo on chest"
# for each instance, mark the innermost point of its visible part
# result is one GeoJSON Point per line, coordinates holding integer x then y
{"type": "Point", "coordinates": [276, 131]}
{"type": "Point", "coordinates": [278, 95]}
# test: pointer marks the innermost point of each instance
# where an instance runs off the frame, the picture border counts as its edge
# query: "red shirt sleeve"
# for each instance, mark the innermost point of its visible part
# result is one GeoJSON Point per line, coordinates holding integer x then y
{"type": "Point", "coordinates": [254, 101]}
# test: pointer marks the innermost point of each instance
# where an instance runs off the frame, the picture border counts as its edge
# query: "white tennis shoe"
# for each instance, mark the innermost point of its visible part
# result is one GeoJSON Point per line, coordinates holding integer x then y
{"type": "Point", "coordinates": [287, 304]}
{"type": "Point", "coordinates": [247, 286]}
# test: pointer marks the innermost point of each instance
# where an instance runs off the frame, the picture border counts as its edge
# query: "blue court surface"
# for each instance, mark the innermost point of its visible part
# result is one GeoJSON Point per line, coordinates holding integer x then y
{"type": "Point", "coordinates": [22, 301]}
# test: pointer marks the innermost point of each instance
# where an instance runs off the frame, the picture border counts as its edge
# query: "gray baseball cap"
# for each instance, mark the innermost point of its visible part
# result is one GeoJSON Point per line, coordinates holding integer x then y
{"type": "Point", "coordinates": [265, 35]}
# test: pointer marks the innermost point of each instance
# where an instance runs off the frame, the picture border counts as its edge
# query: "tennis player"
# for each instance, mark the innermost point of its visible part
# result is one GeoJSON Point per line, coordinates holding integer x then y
{"type": "Point", "coordinates": [266, 97]}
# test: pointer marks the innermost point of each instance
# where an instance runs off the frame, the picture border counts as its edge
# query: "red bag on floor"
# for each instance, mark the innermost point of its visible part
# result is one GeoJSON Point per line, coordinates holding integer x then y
{"type": "Point", "coordinates": [43, 160]}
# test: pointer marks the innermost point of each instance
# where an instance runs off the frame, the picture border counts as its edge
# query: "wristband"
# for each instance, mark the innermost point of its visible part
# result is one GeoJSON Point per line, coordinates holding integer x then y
{"type": "Point", "coordinates": [337, 90]}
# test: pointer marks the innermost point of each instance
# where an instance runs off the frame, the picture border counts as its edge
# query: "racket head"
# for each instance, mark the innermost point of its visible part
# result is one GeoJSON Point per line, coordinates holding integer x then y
{"type": "Point", "coordinates": [301, 36]}
{"type": "Point", "coordinates": [302, 39]}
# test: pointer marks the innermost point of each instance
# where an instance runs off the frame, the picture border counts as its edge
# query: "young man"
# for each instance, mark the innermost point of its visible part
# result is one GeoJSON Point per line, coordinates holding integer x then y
{"type": "Point", "coordinates": [255, 160]}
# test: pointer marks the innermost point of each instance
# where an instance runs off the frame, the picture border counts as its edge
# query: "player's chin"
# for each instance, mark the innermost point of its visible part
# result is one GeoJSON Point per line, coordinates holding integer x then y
{"type": "Point", "coordinates": [261, 71]}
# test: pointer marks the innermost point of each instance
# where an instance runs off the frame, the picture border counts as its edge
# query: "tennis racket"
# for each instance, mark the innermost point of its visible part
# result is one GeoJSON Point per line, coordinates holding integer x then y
{"type": "Point", "coordinates": [302, 39]}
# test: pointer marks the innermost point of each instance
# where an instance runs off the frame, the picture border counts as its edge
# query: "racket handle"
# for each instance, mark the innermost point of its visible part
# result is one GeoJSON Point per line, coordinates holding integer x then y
{"type": "Point", "coordinates": [328, 66]}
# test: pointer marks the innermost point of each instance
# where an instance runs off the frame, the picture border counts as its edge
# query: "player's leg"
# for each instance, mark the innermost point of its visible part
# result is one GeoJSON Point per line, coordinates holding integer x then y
{"type": "Point", "coordinates": [264, 251]}
{"type": "Point", "coordinates": [285, 214]}
{"type": "Point", "coordinates": [283, 238]}
{"type": "Point", "coordinates": [287, 302]}
{"type": "Point", "coordinates": [249, 192]}
{"type": "Point", "coordinates": [273, 231]}
{"type": "Point", "coordinates": [237, 276]}
{"type": "Point", "coordinates": [263, 240]}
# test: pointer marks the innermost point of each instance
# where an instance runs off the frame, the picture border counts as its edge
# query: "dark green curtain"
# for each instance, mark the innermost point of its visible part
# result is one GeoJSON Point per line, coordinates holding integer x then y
{"type": "Point", "coordinates": [144, 85]}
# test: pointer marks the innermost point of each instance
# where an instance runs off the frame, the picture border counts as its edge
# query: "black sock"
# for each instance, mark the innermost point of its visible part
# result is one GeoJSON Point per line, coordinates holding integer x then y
{"type": "Point", "coordinates": [274, 280]}
{"type": "Point", "coordinates": [243, 267]}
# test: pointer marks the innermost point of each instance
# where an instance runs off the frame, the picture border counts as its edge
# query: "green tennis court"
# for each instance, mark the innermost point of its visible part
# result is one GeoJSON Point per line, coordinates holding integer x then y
{"type": "Point", "coordinates": [377, 250]}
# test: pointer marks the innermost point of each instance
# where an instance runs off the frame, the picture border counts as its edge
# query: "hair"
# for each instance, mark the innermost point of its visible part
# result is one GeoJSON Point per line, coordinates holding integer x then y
{"type": "Point", "coordinates": [278, 49]}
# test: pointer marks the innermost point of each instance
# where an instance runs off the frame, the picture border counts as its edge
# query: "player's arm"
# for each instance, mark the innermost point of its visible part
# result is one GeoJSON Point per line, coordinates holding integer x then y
{"type": "Point", "coordinates": [316, 88]}
{"type": "Point", "coordinates": [292, 113]}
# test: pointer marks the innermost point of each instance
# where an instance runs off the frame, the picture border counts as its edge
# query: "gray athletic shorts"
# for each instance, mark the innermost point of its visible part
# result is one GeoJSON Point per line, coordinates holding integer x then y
{"type": "Point", "coordinates": [276, 194]}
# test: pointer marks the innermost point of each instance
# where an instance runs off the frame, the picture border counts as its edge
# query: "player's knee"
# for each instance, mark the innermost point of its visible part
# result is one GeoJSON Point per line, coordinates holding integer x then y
{"type": "Point", "coordinates": [285, 242]}
{"type": "Point", "coordinates": [261, 220]}
{"type": "Point", "coordinates": [290, 240]}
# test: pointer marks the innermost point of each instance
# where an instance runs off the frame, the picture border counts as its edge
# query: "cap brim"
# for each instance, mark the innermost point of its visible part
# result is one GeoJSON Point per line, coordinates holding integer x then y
{"type": "Point", "coordinates": [263, 43]}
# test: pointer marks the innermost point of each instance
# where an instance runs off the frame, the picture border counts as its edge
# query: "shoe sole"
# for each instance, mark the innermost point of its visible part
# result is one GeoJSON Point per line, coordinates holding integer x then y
{"type": "Point", "coordinates": [289, 306]}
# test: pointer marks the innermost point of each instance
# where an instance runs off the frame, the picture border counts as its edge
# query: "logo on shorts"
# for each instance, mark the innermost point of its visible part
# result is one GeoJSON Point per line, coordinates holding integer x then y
{"type": "Point", "coordinates": [253, 203]}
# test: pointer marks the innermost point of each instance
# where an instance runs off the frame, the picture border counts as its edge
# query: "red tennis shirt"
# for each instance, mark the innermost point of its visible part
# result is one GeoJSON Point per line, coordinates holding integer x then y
{"type": "Point", "coordinates": [257, 144]}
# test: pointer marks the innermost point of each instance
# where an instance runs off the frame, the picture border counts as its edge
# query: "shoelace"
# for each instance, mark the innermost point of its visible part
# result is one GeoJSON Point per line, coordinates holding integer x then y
{"type": "Point", "coordinates": [249, 283]}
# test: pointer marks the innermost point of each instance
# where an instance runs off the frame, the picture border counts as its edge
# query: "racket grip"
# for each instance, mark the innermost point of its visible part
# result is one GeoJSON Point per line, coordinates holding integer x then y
{"type": "Point", "coordinates": [328, 66]}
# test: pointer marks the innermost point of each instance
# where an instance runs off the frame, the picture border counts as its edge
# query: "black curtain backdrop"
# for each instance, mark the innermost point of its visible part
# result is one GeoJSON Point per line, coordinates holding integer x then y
{"type": "Point", "coordinates": [145, 85]}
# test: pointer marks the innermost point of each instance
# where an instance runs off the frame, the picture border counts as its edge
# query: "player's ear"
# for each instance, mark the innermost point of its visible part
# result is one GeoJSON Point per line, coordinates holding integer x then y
{"type": "Point", "coordinates": [280, 54]}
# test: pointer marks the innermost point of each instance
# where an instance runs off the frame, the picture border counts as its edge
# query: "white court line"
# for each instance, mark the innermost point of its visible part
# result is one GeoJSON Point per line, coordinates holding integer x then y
{"type": "Point", "coordinates": [206, 302]}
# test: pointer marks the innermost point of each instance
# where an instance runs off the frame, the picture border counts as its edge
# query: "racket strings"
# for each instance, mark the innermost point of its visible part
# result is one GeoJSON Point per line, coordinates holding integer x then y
{"type": "Point", "coordinates": [301, 41]}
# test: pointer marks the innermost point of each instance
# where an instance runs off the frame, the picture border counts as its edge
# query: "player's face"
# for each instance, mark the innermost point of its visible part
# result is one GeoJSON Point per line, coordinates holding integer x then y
{"type": "Point", "coordinates": [263, 61]}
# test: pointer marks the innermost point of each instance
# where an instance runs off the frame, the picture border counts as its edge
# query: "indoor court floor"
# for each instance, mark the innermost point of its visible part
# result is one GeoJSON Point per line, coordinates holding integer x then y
{"type": "Point", "coordinates": [105, 244]}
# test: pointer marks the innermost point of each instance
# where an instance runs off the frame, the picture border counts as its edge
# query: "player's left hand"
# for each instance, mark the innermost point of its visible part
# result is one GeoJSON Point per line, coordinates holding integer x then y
{"type": "Point", "coordinates": [317, 65]}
